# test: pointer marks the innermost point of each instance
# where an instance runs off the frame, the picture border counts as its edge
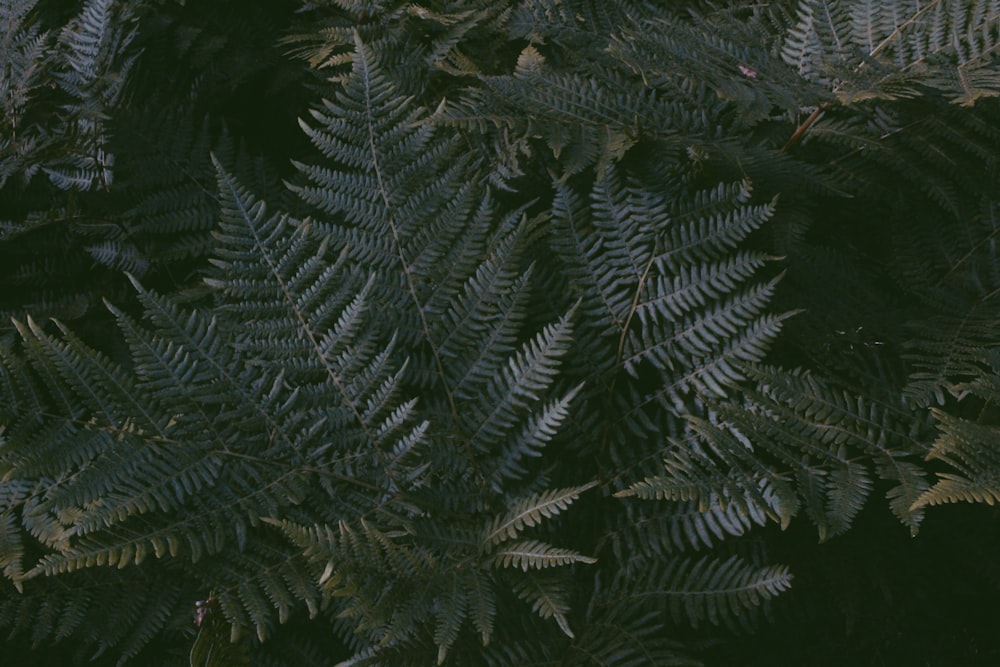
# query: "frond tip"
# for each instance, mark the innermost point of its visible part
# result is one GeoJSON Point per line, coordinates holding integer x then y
{"type": "Point", "coordinates": [973, 451]}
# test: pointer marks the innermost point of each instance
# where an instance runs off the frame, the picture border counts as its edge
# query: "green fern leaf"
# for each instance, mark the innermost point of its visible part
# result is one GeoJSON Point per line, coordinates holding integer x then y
{"type": "Point", "coordinates": [711, 589]}
{"type": "Point", "coordinates": [530, 512]}
{"type": "Point", "coordinates": [482, 602]}
{"type": "Point", "coordinates": [547, 596]}
{"type": "Point", "coordinates": [451, 612]}
{"type": "Point", "coordinates": [11, 549]}
{"type": "Point", "coordinates": [535, 555]}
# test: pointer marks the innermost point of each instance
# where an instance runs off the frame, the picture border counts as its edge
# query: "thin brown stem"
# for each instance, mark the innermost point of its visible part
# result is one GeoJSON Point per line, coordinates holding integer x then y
{"type": "Point", "coordinates": [803, 127]}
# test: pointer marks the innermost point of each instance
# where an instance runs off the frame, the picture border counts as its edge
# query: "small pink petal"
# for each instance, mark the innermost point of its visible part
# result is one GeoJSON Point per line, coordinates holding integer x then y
{"type": "Point", "coordinates": [747, 72]}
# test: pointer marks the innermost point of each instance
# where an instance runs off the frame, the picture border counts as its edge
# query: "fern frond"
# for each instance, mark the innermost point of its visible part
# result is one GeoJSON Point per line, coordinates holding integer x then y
{"type": "Point", "coordinates": [825, 446]}
{"type": "Point", "coordinates": [94, 47]}
{"type": "Point", "coordinates": [663, 529]}
{"type": "Point", "coordinates": [719, 472]}
{"type": "Point", "coordinates": [623, 634]}
{"type": "Point", "coordinates": [450, 614]}
{"type": "Point", "coordinates": [535, 555]}
{"type": "Point", "coordinates": [530, 512]}
{"type": "Point", "coordinates": [483, 605]}
{"type": "Point", "coordinates": [583, 121]}
{"type": "Point", "coordinates": [821, 28]}
{"type": "Point", "coordinates": [719, 591]}
{"type": "Point", "coordinates": [368, 127]}
{"type": "Point", "coordinates": [709, 54]}
{"type": "Point", "coordinates": [896, 50]}
{"type": "Point", "coordinates": [973, 451]}
{"type": "Point", "coordinates": [514, 386]}
{"type": "Point", "coordinates": [951, 349]}
{"type": "Point", "coordinates": [547, 596]}
{"type": "Point", "coordinates": [669, 343]}
{"type": "Point", "coordinates": [11, 547]}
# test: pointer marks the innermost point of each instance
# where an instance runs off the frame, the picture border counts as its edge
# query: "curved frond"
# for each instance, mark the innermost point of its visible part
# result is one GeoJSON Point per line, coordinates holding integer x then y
{"type": "Point", "coordinates": [530, 512]}
{"type": "Point", "coordinates": [708, 589]}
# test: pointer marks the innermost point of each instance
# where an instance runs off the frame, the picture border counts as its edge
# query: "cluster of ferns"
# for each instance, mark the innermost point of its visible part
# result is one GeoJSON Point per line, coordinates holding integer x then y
{"type": "Point", "coordinates": [519, 332]}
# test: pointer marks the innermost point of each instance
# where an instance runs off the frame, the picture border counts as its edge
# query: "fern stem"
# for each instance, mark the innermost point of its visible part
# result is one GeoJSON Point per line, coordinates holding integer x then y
{"type": "Point", "coordinates": [803, 127]}
{"type": "Point", "coordinates": [633, 308]}
{"type": "Point", "coordinates": [620, 352]}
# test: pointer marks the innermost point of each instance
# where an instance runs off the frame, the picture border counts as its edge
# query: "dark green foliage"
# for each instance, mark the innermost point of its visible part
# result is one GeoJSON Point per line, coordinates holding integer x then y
{"type": "Point", "coordinates": [522, 347]}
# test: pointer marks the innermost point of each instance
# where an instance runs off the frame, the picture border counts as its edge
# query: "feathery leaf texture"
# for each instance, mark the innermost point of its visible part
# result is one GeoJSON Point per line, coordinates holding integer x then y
{"type": "Point", "coordinates": [706, 589]}
{"type": "Point", "coordinates": [530, 512]}
{"type": "Point", "coordinates": [872, 50]}
{"type": "Point", "coordinates": [548, 318]}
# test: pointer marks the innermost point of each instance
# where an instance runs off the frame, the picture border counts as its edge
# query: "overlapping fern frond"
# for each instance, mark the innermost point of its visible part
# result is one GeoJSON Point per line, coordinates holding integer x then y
{"type": "Point", "coordinates": [794, 444]}
{"type": "Point", "coordinates": [889, 50]}
{"type": "Point", "coordinates": [664, 289]}
{"type": "Point", "coordinates": [454, 280]}
{"type": "Point", "coordinates": [275, 398]}
{"type": "Point", "coordinates": [707, 589]}
{"type": "Point", "coordinates": [955, 363]}
{"type": "Point", "coordinates": [509, 347]}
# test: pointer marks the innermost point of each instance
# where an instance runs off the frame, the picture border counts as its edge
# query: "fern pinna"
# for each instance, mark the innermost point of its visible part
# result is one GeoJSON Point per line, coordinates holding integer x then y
{"type": "Point", "coordinates": [565, 314]}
